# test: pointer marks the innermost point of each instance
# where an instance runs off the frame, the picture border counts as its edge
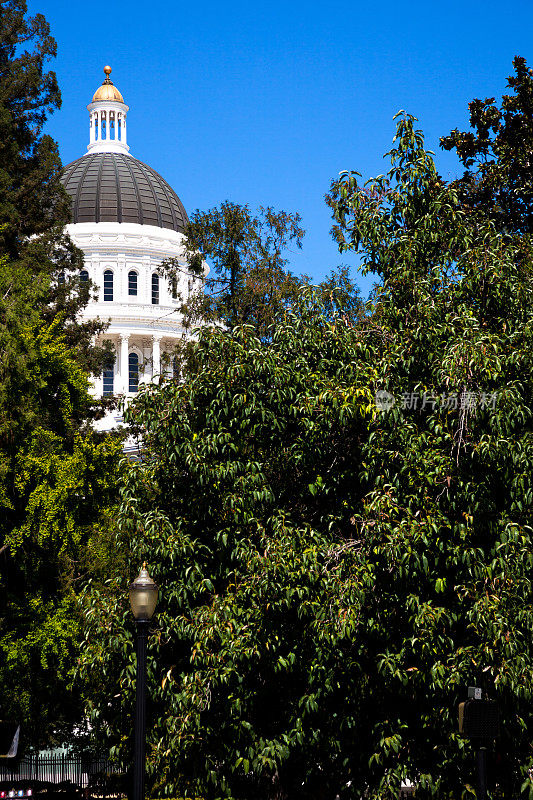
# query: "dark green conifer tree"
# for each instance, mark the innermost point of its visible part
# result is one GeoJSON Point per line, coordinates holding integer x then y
{"type": "Point", "coordinates": [56, 476]}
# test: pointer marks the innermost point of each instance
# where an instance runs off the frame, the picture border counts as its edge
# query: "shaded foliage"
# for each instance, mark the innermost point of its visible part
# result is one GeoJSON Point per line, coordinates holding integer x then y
{"type": "Point", "coordinates": [333, 575]}
{"type": "Point", "coordinates": [56, 476]}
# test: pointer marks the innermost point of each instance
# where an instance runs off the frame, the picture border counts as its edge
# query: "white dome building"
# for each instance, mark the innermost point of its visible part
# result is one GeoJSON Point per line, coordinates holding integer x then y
{"type": "Point", "coordinates": [127, 219]}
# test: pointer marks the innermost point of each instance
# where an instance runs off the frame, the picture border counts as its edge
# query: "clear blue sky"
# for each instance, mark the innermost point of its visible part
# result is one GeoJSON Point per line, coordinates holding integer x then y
{"type": "Point", "coordinates": [264, 103]}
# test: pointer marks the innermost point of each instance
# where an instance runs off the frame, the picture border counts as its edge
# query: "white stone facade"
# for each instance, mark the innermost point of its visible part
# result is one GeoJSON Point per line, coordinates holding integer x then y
{"type": "Point", "coordinates": [136, 324]}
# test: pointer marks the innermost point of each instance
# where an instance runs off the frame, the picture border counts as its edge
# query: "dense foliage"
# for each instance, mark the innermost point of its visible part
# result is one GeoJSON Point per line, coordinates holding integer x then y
{"type": "Point", "coordinates": [339, 518]}
{"type": "Point", "coordinates": [56, 477]}
{"type": "Point", "coordinates": [498, 155]}
{"type": "Point", "coordinates": [248, 280]}
{"type": "Point", "coordinates": [238, 270]}
{"type": "Point", "coordinates": [455, 476]}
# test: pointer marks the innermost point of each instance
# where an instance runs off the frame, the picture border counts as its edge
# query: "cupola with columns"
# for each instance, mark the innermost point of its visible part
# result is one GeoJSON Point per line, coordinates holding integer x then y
{"type": "Point", "coordinates": [107, 119]}
{"type": "Point", "coordinates": [127, 220]}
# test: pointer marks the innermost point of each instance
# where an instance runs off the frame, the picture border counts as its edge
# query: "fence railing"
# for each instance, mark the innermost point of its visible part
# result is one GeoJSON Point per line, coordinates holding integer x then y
{"type": "Point", "coordinates": [81, 771]}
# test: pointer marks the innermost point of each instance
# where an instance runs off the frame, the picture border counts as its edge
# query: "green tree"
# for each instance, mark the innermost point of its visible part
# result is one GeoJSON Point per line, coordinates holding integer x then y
{"type": "Point", "coordinates": [334, 575]}
{"type": "Point", "coordinates": [498, 155]}
{"type": "Point", "coordinates": [247, 280]}
{"type": "Point", "coordinates": [245, 556]}
{"type": "Point", "coordinates": [452, 489]}
{"type": "Point", "coordinates": [339, 295]}
{"type": "Point", "coordinates": [56, 476]}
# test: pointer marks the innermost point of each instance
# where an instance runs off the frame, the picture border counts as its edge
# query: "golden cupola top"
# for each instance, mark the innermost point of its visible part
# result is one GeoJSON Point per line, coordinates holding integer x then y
{"type": "Point", "coordinates": [107, 119]}
{"type": "Point", "coordinates": [108, 91]}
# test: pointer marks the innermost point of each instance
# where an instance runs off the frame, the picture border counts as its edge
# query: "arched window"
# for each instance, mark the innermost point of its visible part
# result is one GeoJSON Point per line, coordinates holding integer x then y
{"type": "Point", "coordinates": [174, 288]}
{"type": "Point", "coordinates": [132, 282]}
{"type": "Point", "coordinates": [103, 124]}
{"type": "Point", "coordinates": [175, 367]}
{"type": "Point", "coordinates": [155, 288]}
{"type": "Point", "coordinates": [84, 275]}
{"type": "Point", "coordinates": [119, 126]}
{"type": "Point", "coordinates": [108, 285]}
{"type": "Point", "coordinates": [111, 124]}
{"type": "Point", "coordinates": [133, 362]}
{"type": "Point", "coordinates": [108, 376]}
{"type": "Point", "coordinates": [96, 126]}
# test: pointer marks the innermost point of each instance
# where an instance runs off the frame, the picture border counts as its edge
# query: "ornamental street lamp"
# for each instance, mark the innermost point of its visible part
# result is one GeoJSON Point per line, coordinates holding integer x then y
{"type": "Point", "coordinates": [143, 600]}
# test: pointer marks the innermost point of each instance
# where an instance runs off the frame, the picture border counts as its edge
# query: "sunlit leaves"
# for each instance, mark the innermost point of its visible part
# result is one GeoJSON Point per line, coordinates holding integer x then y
{"type": "Point", "coordinates": [335, 575]}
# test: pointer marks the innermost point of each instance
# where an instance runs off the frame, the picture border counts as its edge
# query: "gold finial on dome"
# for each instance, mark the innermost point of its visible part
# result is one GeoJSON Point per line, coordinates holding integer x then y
{"type": "Point", "coordinates": [107, 91]}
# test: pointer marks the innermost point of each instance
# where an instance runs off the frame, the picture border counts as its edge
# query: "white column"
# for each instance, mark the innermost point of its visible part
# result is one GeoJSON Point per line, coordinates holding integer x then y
{"type": "Point", "coordinates": [156, 357]}
{"type": "Point", "coordinates": [97, 386]}
{"type": "Point", "coordinates": [124, 363]}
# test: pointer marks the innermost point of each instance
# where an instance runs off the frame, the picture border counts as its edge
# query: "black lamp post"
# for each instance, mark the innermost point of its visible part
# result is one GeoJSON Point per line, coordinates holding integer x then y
{"type": "Point", "coordinates": [479, 719]}
{"type": "Point", "coordinates": [143, 600]}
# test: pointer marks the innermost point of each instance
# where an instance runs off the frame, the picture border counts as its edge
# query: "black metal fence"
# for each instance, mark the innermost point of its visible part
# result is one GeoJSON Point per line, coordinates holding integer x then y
{"type": "Point", "coordinates": [80, 771]}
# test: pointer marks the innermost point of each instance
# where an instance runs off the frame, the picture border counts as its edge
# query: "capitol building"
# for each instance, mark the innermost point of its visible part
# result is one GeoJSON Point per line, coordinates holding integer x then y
{"type": "Point", "coordinates": [127, 219]}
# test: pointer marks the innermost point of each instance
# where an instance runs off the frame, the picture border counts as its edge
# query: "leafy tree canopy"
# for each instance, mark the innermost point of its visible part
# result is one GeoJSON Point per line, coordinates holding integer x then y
{"type": "Point", "coordinates": [240, 262]}
{"type": "Point", "coordinates": [498, 155]}
{"type": "Point", "coordinates": [56, 477]}
{"type": "Point", "coordinates": [334, 572]}
{"type": "Point", "coordinates": [29, 162]}
{"type": "Point", "coordinates": [248, 281]}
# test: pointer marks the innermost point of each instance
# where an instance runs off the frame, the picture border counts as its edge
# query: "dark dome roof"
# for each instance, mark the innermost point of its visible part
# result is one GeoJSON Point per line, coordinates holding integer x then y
{"type": "Point", "coordinates": [115, 187]}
